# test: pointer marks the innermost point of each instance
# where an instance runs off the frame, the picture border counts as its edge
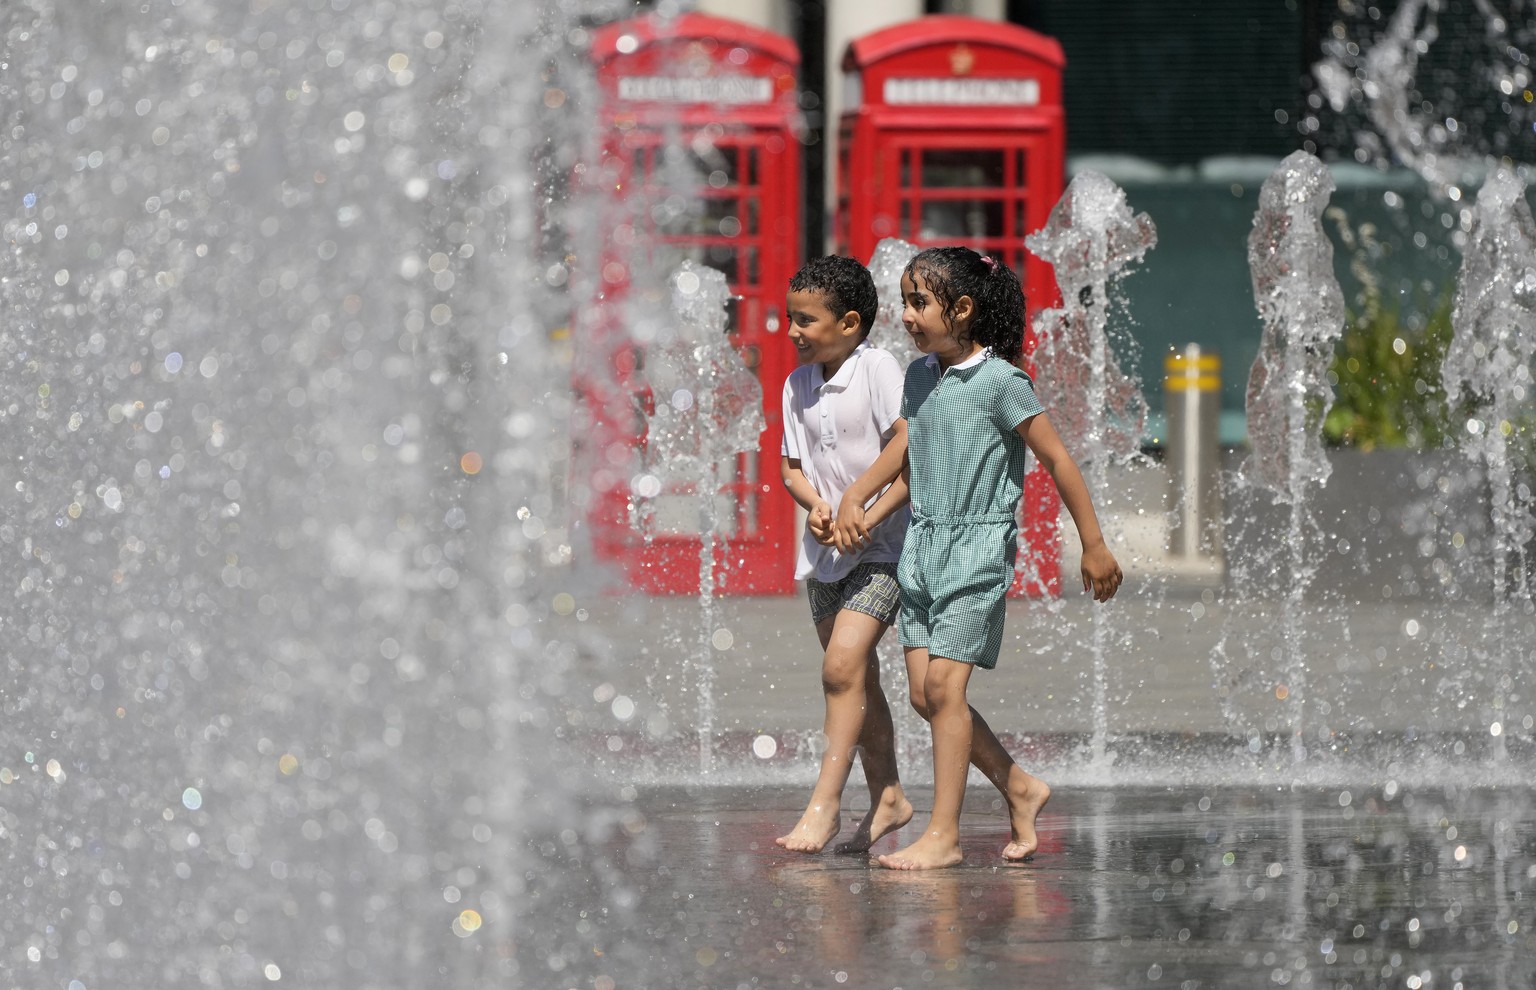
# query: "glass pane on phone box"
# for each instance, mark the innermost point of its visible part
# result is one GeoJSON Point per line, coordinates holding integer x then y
{"type": "Point", "coordinates": [723, 258]}
{"type": "Point", "coordinates": [699, 218]}
{"type": "Point", "coordinates": [682, 515]}
{"type": "Point", "coordinates": [717, 167]}
{"type": "Point", "coordinates": [965, 218]}
{"type": "Point", "coordinates": [962, 168]}
{"type": "Point", "coordinates": [718, 217]}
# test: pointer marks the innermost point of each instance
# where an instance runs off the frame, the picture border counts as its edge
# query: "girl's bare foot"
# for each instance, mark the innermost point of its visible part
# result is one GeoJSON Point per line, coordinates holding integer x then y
{"type": "Point", "coordinates": [1026, 796]}
{"type": "Point", "coordinates": [931, 852]}
{"type": "Point", "coordinates": [890, 813]}
{"type": "Point", "coordinates": [813, 831]}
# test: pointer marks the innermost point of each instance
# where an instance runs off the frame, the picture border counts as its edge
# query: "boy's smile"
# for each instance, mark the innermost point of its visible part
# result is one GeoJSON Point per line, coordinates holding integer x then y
{"type": "Point", "coordinates": [819, 335]}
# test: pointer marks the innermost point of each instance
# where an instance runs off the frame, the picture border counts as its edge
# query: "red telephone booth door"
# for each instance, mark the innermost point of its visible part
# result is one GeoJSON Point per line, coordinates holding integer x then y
{"type": "Point", "coordinates": [706, 109]}
{"type": "Point", "coordinates": [955, 134]}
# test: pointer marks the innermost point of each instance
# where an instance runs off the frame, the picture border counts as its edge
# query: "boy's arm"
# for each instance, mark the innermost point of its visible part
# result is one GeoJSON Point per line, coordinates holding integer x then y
{"type": "Point", "coordinates": [854, 521]}
{"type": "Point", "coordinates": [1101, 572]}
{"type": "Point", "coordinates": [818, 510]}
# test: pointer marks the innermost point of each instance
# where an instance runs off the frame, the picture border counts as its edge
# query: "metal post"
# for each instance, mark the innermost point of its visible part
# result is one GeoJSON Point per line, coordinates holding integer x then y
{"type": "Point", "coordinates": [1192, 389]}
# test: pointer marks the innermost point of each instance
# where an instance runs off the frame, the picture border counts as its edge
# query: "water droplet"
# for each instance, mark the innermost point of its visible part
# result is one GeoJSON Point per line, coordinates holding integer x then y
{"type": "Point", "coordinates": [192, 800]}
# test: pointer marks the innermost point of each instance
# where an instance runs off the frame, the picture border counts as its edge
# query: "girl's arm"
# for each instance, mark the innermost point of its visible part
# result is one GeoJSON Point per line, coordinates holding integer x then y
{"type": "Point", "coordinates": [1101, 572]}
{"type": "Point", "coordinates": [818, 510]}
{"type": "Point", "coordinates": [854, 521]}
{"type": "Point", "coordinates": [893, 498]}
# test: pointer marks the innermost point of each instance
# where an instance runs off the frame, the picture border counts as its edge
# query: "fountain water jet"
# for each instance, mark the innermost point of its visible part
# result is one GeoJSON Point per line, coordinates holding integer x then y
{"type": "Point", "coordinates": [1488, 368]}
{"type": "Point", "coordinates": [282, 418]}
{"type": "Point", "coordinates": [886, 266]}
{"type": "Point", "coordinates": [1302, 308]}
{"type": "Point", "coordinates": [1488, 364]}
{"type": "Point", "coordinates": [1091, 238]}
{"type": "Point", "coordinates": [708, 408]}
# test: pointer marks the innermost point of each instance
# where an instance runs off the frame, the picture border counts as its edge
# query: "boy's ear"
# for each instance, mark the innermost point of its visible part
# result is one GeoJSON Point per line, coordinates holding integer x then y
{"type": "Point", "coordinates": [851, 323]}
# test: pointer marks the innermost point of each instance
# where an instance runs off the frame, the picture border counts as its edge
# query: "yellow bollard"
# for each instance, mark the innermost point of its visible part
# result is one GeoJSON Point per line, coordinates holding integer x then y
{"type": "Point", "coordinates": [1192, 391]}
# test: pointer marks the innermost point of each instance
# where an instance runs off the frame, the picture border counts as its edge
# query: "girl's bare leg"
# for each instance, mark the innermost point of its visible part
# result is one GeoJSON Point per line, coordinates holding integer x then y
{"type": "Point", "coordinates": [1025, 793]}
{"type": "Point", "coordinates": [849, 639]}
{"type": "Point", "coordinates": [949, 716]}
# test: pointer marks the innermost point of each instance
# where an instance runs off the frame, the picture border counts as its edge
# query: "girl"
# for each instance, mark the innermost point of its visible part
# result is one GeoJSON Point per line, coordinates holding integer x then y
{"type": "Point", "coordinates": [970, 415]}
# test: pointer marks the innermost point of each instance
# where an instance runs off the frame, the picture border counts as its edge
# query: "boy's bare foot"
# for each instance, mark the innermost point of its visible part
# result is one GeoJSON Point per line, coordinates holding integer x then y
{"type": "Point", "coordinates": [885, 816]}
{"type": "Point", "coordinates": [928, 853]}
{"type": "Point", "coordinates": [813, 831]}
{"type": "Point", "coordinates": [1026, 796]}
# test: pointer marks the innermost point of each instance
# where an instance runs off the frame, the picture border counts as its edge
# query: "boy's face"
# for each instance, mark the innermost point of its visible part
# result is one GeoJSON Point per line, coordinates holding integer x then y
{"type": "Point", "coordinates": [821, 336]}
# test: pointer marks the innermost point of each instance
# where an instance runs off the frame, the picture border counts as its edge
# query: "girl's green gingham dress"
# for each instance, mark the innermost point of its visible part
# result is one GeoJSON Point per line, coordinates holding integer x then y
{"type": "Point", "coordinates": [966, 463]}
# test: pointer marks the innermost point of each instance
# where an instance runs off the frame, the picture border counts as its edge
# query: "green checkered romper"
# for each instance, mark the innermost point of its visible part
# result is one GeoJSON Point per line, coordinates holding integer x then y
{"type": "Point", "coordinates": [967, 473]}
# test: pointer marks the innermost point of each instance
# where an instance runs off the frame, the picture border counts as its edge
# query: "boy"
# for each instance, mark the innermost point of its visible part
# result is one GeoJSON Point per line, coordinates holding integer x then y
{"type": "Point", "coordinates": [841, 408]}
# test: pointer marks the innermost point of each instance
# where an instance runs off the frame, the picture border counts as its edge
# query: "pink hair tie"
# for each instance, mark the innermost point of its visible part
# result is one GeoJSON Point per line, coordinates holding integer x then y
{"type": "Point", "coordinates": [991, 262]}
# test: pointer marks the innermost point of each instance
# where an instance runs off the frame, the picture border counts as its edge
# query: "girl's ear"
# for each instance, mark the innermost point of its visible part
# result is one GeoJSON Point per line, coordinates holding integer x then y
{"type": "Point", "coordinates": [964, 308]}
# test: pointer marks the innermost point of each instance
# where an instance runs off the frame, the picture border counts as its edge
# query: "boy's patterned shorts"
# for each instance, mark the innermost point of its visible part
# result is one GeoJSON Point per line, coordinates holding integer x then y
{"type": "Point", "coordinates": [870, 588]}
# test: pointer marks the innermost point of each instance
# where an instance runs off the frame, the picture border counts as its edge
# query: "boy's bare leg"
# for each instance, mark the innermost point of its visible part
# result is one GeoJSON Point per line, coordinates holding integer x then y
{"type": "Point", "coordinates": [949, 716]}
{"type": "Point", "coordinates": [849, 638]}
{"type": "Point", "coordinates": [889, 808]}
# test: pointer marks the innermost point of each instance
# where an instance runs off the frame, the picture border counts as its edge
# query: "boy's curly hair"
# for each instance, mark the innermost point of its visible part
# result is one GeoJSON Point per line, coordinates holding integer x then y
{"type": "Point", "coordinates": [845, 285]}
{"type": "Point", "coordinates": [952, 272]}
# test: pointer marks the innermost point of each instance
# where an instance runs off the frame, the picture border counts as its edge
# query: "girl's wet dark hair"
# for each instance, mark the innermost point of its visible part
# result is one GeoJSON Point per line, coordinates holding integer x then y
{"type": "Point", "coordinates": [952, 272]}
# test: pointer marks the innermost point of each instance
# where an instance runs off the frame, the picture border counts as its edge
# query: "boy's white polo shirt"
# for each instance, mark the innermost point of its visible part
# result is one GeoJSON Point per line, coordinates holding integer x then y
{"type": "Point", "coordinates": [836, 429]}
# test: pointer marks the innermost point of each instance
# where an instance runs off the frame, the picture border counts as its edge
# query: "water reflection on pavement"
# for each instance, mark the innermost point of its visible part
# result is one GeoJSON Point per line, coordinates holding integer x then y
{"type": "Point", "coordinates": [1217, 887]}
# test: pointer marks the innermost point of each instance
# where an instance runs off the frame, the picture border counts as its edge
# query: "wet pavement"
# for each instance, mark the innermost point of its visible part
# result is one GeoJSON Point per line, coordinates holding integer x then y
{"type": "Point", "coordinates": [1193, 887]}
{"type": "Point", "coordinates": [1244, 797]}
{"type": "Point", "coordinates": [1396, 689]}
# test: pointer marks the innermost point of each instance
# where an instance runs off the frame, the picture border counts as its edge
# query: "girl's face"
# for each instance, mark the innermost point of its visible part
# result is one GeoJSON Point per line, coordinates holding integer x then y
{"type": "Point", "coordinates": [923, 317]}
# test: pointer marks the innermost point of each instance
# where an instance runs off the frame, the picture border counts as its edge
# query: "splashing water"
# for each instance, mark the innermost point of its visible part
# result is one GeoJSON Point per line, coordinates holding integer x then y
{"type": "Point", "coordinates": [708, 405]}
{"type": "Point", "coordinates": [1302, 307]}
{"type": "Point", "coordinates": [708, 409]}
{"type": "Point", "coordinates": [281, 407]}
{"type": "Point", "coordinates": [1488, 364]}
{"type": "Point", "coordinates": [1298, 298]}
{"type": "Point", "coordinates": [886, 265]}
{"type": "Point", "coordinates": [1382, 76]}
{"type": "Point", "coordinates": [1091, 238]}
{"type": "Point", "coordinates": [1487, 371]}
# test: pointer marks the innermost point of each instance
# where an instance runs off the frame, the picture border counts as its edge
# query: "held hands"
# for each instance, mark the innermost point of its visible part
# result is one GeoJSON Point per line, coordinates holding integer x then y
{"type": "Point", "coordinates": [819, 523]}
{"type": "Point", "coordinates": [1101, 573]}
{"type": "Point", "coordinates": [850, 531]}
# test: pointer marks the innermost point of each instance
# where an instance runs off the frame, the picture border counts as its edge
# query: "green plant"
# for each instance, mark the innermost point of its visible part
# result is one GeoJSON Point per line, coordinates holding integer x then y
{"type": "Point", "coordinates": [1386, 376]}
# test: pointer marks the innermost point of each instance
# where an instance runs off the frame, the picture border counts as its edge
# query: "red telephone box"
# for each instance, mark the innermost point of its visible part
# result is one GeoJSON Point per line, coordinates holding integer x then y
{"type": "Point", "coordinates": [954, 134]}
{"type": "Point", "coordinates": [721, 96]}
